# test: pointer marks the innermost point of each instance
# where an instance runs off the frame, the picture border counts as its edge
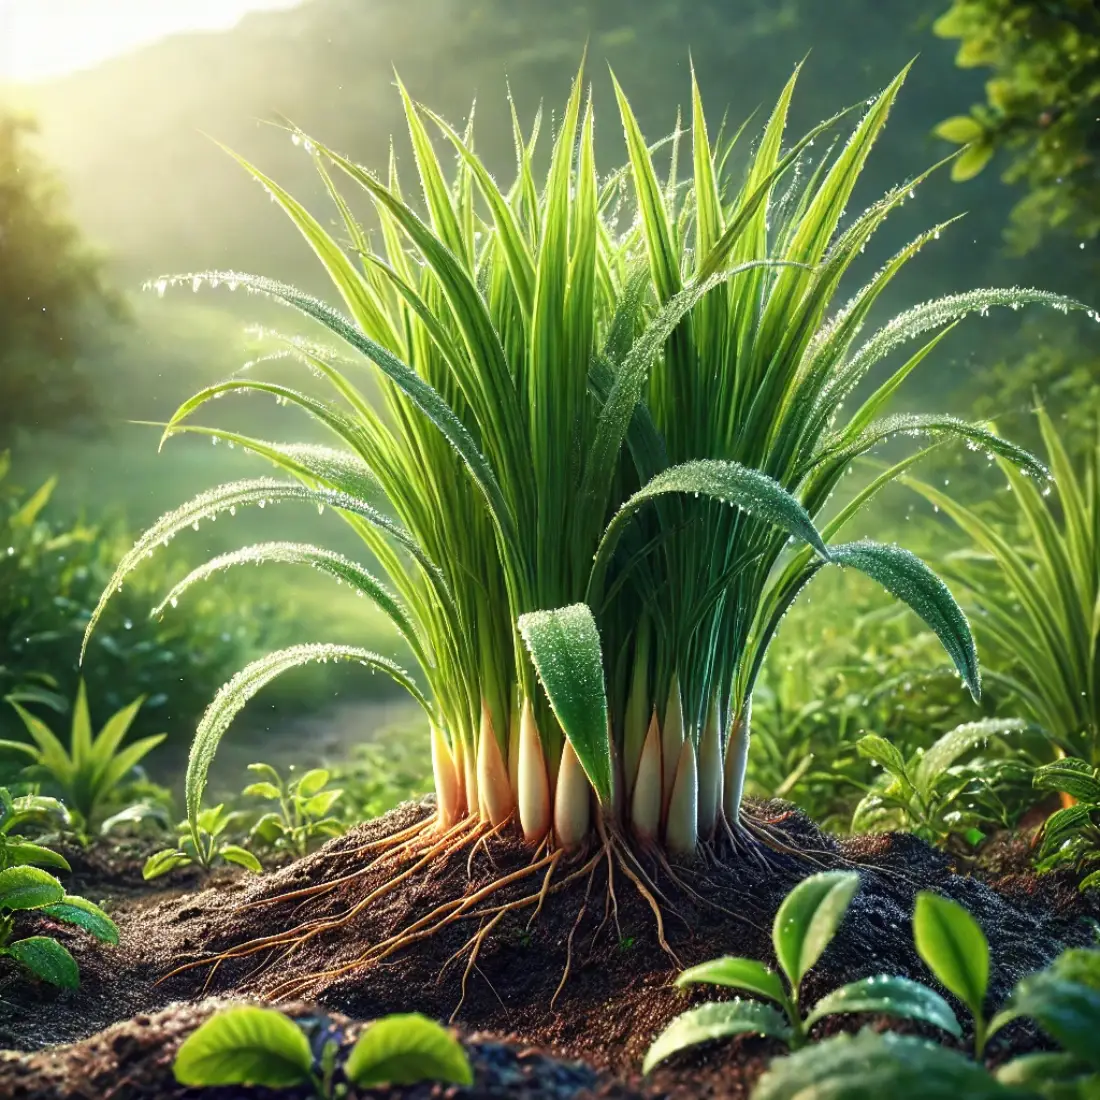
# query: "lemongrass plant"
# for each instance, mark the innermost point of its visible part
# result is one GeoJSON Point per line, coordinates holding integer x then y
{"type": "Point", "coordinates": [588, 431]}
{"type": "Point", "coordinates": [1036, 594]}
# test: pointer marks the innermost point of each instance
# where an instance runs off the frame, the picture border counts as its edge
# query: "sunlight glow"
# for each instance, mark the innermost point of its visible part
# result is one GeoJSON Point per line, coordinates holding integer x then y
{"type": "Point", "coordinates": [40, 39]}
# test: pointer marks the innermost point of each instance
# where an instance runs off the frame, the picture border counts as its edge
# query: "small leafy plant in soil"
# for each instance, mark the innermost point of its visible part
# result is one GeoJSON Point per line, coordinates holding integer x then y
{"type": "Point", "coordinates": [806, 923]}
{"type": "Point", "coordinates": [91, 774]}
{"type": "Point", "coordinates": [206, 842]}
{"type": "Point", "coordinates": [260, 1046]}
{"type": "Point", "coordinates": [1070, 837]}
{"type": "Point", "coordinates": [305, 814]}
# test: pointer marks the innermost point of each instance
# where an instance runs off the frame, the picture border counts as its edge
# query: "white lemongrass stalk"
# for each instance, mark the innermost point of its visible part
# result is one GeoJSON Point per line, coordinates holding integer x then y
{"type": "Point", "coordinates": [464, 777]}
{"type": "Point", "coordinates": [645, 799]}
{"type": "Point", "coordinates": [532, 779]}
{"type": "Point", "coordinates": [572, 802]}
{"type": "Point", "coordinates": [513, 746]}
{"type": "Point", "coordinates": [682, 828]}
{"type": "Point", "coordinates": [448, 794]}
{"type": "Point", "coordinates": [710, 773]}
{"type": "Point", "coordinates": [672, 741]}
{"type": "Point", "coordinates": [636, 717]}
{"type": "Point", "coordinates": [495, 798]}
{"type": "Point", "coordinates": [737, 757]}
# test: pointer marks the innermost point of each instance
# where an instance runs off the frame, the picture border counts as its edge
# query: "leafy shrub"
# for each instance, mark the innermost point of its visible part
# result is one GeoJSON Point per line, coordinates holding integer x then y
{"type": "Point", "coordinates": [1071, 835]}
{"type": "Point", "coordinates": [50, 576]}
{"type": "Point", "coordinates": [261, 1046]}
{"type": "Point", "coordinates": [1041, 107]}
{"type": "Point", "coordinates": [24, 889]}
{"type": "Point", "coordinates": [380, 774]}
{"type": "Point", "coordinates": [305, 814]}
{"type": "Point", "coordinates": [805, 924]}
{"type": "Point", "coordinates": [948, 791]}
{"type": "Point", "coordinates": [24, 810]}
{"type": "Point", "coordinates": [92, 774]}
{"type": "Point", "coordinates": [206, 842]}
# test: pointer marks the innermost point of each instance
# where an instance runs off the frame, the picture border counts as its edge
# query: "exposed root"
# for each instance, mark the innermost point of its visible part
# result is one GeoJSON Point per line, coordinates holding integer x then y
{"type": "Point", "coordinates": [417, 853]}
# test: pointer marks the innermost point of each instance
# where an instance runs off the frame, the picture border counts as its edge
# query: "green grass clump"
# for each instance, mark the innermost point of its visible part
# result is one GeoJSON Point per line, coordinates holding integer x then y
{"type": "Point", "coordinates": [612, 412]}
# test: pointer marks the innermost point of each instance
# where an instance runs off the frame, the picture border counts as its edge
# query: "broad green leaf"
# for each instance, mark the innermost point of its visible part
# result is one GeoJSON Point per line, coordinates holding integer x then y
{"type": "Point", "coordinates": [954, 947]}
{"type": "Point", "coordinates": [946, 750]}
{"type": "Point", "coordinates": [160, 863]}
{"type": "Point", "coordinates": [81, 738]}
{"type": "Point", "coordinates": [320, 804]}
{"type": "Point", "coordinates": [233, 696]}
{"type": "Point", "coordinates": [809, 918]}
{"type": "Point", "coordinates": [45, 958]}
{"type": "Point", "coordinates": [1067, 1011]}
{"type": "Point", "coordinates": [907, 578]}
{"type": "Point", "coordinates": [234, 853]}
{"type": "Point", "coordinates": [1078, 964]}
{"type": "Point", "coordinates": [1053, 1076]}
{"type": "Point", "coordinates": [971, 162]}
{"type": "Point", "coordinates": [889, 996]}
{"type": "Point", "coordinates": [565, 649]}
{"type": "Point", "coordinates": [86, 915]}
{"type": "Point", "coordinates": [312, 782]}
{"type": "Point", "coordinates": [268, 771]}
{"type": "Point", "coordinates": [261, 790]}
{"type": "Point", "coordinates": [961, 130]}
{"type": "Point", "coordinates": [245, 1046]}
{"type": "Point", "coordinates": [28, 888]}
{"type": "Point", "coordinates": [23, 851]}
{"type": "Point", "coordinates": [405, 1049]}
{"type": "Point", "coordinates": [870, 1065]}
{"type": "Point", "coordinates": [1075, 777]}
{"type": "Point", "coordinates": [885, 755]}
{"type": "Point", "coordinates": [746, 974]}
{"type": "Point", "coordinates": [719, 1020]}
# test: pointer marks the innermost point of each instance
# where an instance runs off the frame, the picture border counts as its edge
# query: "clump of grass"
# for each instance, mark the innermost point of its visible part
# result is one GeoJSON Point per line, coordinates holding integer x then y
{"type": "Point", "coordinates": [601, 451]}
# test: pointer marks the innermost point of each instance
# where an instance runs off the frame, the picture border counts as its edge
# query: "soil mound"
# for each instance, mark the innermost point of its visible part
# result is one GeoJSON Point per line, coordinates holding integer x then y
{"type": "Point", "coordinates": [618, 993]}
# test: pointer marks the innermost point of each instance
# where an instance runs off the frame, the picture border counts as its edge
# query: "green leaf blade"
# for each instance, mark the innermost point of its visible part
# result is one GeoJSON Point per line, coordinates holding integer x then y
{"type": "Point", "coordinates": [406, 1049]}
{"type": "Point", "coordinates": [719, 1020]}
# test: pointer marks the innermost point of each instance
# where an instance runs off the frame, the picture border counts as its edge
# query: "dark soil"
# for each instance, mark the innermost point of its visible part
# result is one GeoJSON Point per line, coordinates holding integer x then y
{"type": "Point", "coordinates": [618, 994]}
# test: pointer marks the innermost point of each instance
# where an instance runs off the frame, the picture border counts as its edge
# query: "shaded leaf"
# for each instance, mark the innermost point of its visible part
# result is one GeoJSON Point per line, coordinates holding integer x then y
{"type": "Point", "coordinates": [405, 1049]}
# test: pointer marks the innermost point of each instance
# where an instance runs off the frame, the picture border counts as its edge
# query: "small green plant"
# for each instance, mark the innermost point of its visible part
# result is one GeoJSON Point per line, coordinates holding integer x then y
{"type": "Point", "coordinates": [1064, 1000]}
{"type": "Point", "coordinates": [1071, 836]}
{"type": "Point", "coordinates": [380, 774]}
{"type": "Point", "coordinates": [305, 809]}
{"type": "Point", "coordinates": [937, 794]}
{"type": "Point", "coordinates": [261, 1046]}
{"type": "Point", "coordinates": [806, 922]}
{"type": "Point", "coordinates": [91, 775]}
{"type": "Point", "coordinates": [30, 889]}
{"type": "Point", "coordinates": [206, 843]}
{"type": "Point", "coordinates": [16, 849]}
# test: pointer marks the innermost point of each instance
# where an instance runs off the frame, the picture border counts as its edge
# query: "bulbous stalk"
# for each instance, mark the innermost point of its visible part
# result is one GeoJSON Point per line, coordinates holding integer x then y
{"type": "Point", "coordinates": [532, 779]}
{"type": "Point", "coordinates": [513, 746]}
{"type": "Point", "coordinates": [495, 798]}
{"type": "Point", "coordinates": [448, 790]}
{"type": "Point", "coordinates": [672, 741]}
{"type": "Point", "coordinates": [638, 707]}
{"type": "Point", "coordinates": [682, 828]}
{"type": "Point", "coordinates": [737, 757]}
{"type": "Point", "coordinates": [710, 773]}
{"type": "Point", "coordinates": [572, 802]}
{"type": "Point", "coordinates": [464, 775]}
{"type": "Point", "coordinates": [645, 799]}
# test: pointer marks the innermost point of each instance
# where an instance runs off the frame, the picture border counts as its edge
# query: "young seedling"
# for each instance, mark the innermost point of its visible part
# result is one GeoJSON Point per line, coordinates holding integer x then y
{"type": "Point", "coordinates": [260, 1046]}
{"type": "Point", "coordinates": [205, 844]}
{"type": "Point", "coordinates": [804, 926]}
{"type": "Point", "coordinates": [91, 773]}
{"type": "Point", "coordinates": [29, 889]}
{"type": "Point", "coordinates": [304, 814]}
{"type": "Point", "coordinates": [1064, 1000]}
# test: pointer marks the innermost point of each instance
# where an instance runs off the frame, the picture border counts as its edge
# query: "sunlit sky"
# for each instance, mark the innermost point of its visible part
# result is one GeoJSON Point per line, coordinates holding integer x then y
{"type": "Point", "coordinates": [46, 38]}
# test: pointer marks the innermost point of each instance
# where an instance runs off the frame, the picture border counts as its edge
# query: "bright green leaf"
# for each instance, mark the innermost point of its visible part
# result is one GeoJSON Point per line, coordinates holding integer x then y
{"type": "Point", "coordinates": [405, 1049]}
{"type": "Point", "coordinates": [809, 918]}
{"type": "Point", "coordinates": [719, 1020]}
